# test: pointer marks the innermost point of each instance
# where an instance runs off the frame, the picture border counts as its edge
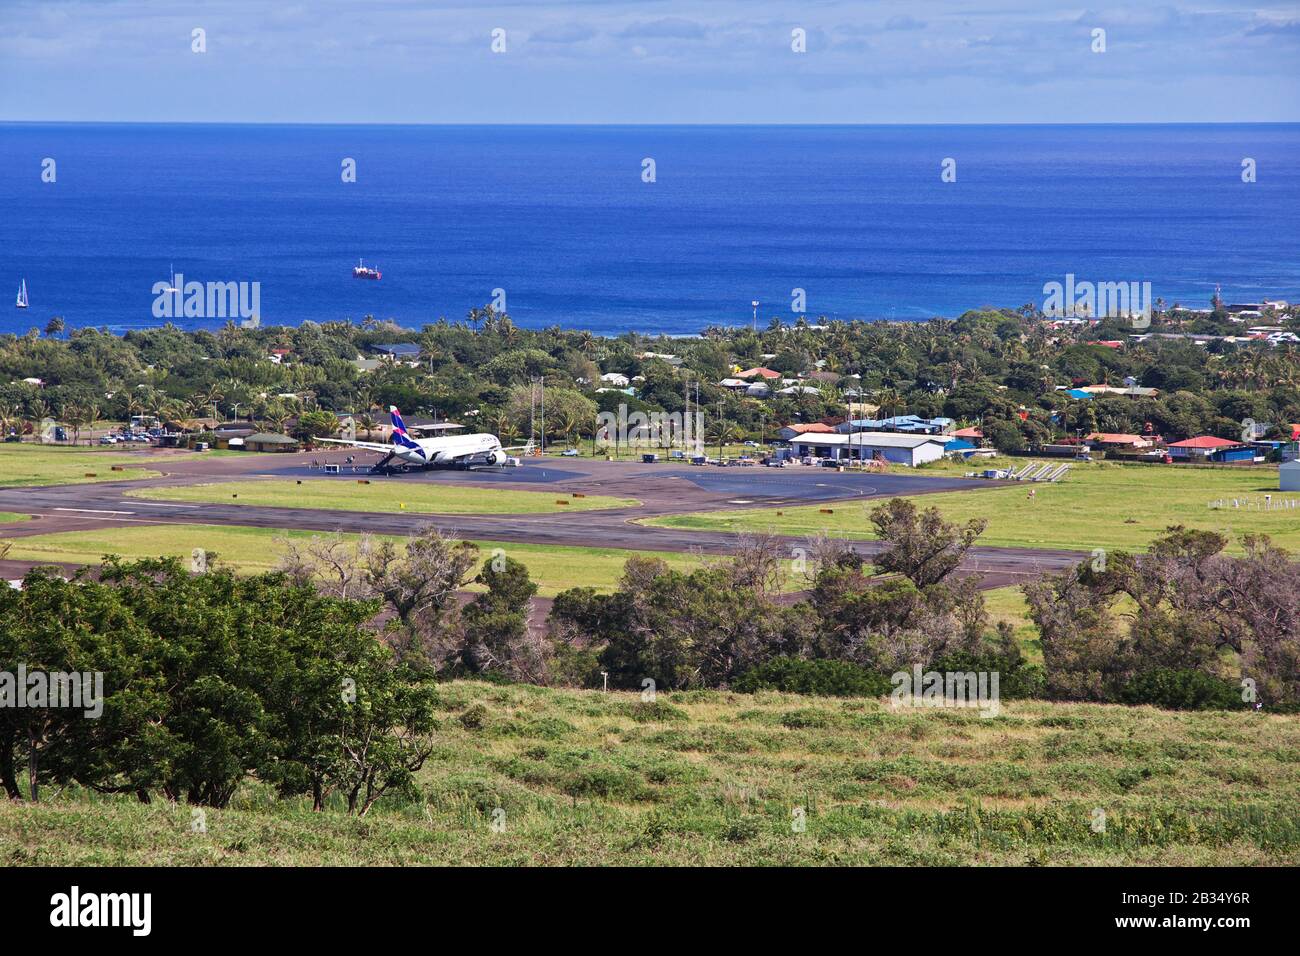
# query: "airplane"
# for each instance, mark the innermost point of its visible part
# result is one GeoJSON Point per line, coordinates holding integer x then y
{"type": "Point", "coordinates": [449, 451]}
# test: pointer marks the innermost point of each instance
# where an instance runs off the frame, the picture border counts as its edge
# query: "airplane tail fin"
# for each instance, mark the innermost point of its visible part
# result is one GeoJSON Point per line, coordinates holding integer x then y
{"type": "Point", "coordinates": [395, 417]}
{"type": "Point", "coordinates": [400, 437]}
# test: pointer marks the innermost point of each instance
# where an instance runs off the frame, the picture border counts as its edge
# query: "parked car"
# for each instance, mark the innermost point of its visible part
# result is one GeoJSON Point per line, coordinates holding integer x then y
{"type": "Point", "coordinates": [13, 437]}
{"type": "Point", "coordinates": [569, 453]}
{"type": "Point", "coordinates": [107, 440]}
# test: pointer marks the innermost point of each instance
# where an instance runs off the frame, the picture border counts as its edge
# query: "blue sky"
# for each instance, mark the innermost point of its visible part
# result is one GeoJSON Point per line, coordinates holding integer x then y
{"type": "Point", "coordinates": [648, 61]}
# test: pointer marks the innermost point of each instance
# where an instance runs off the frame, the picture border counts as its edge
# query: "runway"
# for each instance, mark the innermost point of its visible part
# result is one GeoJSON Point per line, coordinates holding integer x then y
{"type": "Point", "coordinates": [661, 489]}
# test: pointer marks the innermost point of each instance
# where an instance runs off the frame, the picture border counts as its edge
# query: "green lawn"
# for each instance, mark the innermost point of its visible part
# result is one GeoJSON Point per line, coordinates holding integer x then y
{"type": "Point", "coordinates": [713, 778]}
{"type": "Point", "coordinates": [1098, 505]}
{"type": "Point", "coordinates": [30, 464]}
{"type": "Point", "coordinates": [251, 550]}
{"type": "Point", "coordinates": [422, 497]}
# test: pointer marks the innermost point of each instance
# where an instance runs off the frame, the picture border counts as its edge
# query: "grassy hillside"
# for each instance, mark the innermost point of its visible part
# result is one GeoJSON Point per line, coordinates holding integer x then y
{"type": "Point", "coordinates": [1098, 505]}
{"type": "Point", "coordinates": [715, 778]}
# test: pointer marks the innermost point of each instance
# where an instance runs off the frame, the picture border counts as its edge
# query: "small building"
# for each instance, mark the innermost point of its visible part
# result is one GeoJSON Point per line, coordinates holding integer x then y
{"type": "Point", "coordinates": [1117, 440]}
{"type": "Point", "coordinates": [909, 450]}
{"type": "Point", "coordinates": [758, 372]}
{"type": "Point", "coordinates": [398, 351]}
{"type": "Point", "coordinates": [1288, 476]}
{"type": "Point", "coordinates": [911, 424]}
{"type": "Point", "coordinates": [1210, 448]}
{"type": "Point", "coordinates": [270, 441]}
{"type": "Point", "coordinates": [791, 432]}
{"type": "Point", "coordinates": [616, 379]}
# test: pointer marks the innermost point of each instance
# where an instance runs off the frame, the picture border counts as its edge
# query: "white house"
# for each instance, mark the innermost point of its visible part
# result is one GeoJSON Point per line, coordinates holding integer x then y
{"type": "Point", "coordinates": [900, 449]}
{"type": "Point", "coordinates": [1288, 476]}
{"type": "Point", "coordinates": [616, 379]}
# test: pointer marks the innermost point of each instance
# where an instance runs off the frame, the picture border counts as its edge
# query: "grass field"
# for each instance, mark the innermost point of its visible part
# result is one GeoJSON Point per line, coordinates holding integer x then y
{"type": "Point", "coordinates": [1098, 505]}
{"type": "Point", "coordinates": [553, 567]}
{"type": "Point", "coordinates": [29, 464]}
{"type": "Point", "coordinates": [716, 778]}
{"type": "Point", "coordinates": [425, 498]}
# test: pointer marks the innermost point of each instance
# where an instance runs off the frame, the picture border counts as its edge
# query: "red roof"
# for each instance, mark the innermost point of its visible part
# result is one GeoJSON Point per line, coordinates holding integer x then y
{"type": "Point", "coordinates": [1115, 438]}
{"type": "Point", "coordinates": [818, 427]}
{"type": "Point", "coordinates": [1204, 441]}
{"type": "Point", "coordinates": [968, 433]}
{"type": "Point", "coordinates": [764, 372]}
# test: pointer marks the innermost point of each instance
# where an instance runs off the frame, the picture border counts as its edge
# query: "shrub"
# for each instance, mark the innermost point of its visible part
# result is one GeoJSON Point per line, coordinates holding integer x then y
{"type": "Point", "coordinates": [1016, 679]}
{"type": "Point", "coordinates": [825, 678]}
{"type": "Point", "coordinates": [1182, 690]}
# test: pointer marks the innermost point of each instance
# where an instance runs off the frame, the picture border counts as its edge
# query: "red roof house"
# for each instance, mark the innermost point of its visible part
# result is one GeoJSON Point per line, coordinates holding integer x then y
{"type": "Point", "coordinates": [759, 372]}
{"type": "Point", "coordinates": [1202, 447]}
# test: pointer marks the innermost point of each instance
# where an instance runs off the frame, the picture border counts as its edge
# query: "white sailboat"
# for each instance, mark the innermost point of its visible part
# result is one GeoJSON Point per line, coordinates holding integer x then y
{"type": "Point", "coordinates": [22, 295]}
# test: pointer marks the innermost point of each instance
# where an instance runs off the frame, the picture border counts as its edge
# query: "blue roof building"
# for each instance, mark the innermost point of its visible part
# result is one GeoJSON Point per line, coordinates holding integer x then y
{"type": "Point", "coordinates": [398, 350]}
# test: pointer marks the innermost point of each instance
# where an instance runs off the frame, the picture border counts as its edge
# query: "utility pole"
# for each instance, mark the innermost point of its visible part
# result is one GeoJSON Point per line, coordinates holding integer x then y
{"type": "Point", "coordinates": [542, 379]}
{"type": "Point", "coordinates": [720, 429]}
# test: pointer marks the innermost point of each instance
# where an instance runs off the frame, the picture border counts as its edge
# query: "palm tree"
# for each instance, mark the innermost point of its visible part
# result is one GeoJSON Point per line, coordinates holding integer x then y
{"type": "Point", "coordinates": [92, 416]}
{"type": "Point", "coordinates": [74, 416]}
{"type": "Point", "coordinates": [8, 413]}
{"type": "Point", "coordinates": [367, 422]}
{"type": "Point", "coordinates": [276, 415]}
{"type": "Point", "coordinates": [209, 397]}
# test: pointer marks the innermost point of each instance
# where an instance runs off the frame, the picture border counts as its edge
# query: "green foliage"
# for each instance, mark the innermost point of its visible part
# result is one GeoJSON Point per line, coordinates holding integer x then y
{"type": "Point", "coordinates": [210, 679]}
{"type": "Point", "coordinates": [822, 678]}
{"type": "Point", "coordinates": [1182, 690]}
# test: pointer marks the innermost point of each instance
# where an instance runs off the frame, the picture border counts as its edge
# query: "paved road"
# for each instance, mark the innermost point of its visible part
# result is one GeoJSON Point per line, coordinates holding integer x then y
{"type": "Point", "coordinates": [661, 489]}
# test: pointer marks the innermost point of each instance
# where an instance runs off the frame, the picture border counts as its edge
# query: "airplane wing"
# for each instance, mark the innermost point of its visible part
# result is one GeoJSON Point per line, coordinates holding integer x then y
{"type": "Point", "coordinates": [526, 449]}
{"type": "Point", "coordinates": [367, 445]}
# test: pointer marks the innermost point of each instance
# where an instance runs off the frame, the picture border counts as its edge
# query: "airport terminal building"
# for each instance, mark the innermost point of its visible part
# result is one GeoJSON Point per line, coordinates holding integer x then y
{"type": "Point", "coordinates": [886, 446]}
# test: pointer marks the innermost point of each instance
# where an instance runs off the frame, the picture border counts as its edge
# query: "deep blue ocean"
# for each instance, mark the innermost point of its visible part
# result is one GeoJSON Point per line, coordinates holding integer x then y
{"type": "Point", "coordinates": [560, 218]}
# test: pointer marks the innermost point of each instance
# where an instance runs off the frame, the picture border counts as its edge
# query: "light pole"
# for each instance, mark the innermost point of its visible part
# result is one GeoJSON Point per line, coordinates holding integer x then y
{"type": "Point", "coordinates": [754, 304]}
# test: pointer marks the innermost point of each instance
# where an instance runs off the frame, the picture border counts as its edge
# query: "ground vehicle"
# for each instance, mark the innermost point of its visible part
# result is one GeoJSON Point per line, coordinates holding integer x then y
{"type": "Point", "coordinates": [107, 440]}
{"type": "Point", "coordinates": [569, 453]}
{"type": "Point", "coordinates": [13, 437]}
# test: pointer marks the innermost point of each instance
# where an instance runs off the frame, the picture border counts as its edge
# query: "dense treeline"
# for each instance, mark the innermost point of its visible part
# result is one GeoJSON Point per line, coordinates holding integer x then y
{"type": "Point", "coordinates": [1000, 367]}
{"type": "Point", "coordinates": [320, 678]}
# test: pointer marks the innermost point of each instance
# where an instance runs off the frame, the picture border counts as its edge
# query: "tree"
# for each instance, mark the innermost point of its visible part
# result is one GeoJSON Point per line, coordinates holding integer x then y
{"type": "Point", "coordinates": [316, 424]}
{"type": "Point", "coordinates": [920, 545]}
{"type": "Point", "coordinates": [497, 636]}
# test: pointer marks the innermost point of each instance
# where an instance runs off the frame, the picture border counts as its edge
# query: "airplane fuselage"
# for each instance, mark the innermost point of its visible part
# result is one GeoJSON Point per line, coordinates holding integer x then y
{"type": "Point", "coordinates": [478, 449]}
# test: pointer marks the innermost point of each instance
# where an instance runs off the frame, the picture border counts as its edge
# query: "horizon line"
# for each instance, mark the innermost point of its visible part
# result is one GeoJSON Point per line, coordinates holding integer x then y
{"type": "Point", "coordinates": [600, 125]}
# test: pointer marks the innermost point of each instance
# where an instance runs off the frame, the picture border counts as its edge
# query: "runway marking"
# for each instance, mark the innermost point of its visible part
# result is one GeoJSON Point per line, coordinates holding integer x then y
{"type": "Point", "coordinates": [93, 511]}
{"type": "Point", "coordinates": [159, 504]}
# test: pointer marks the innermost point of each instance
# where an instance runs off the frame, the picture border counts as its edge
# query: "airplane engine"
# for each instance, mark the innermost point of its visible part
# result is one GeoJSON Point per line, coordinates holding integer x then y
{"type": "Point", "coordinates": [498, 457]}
